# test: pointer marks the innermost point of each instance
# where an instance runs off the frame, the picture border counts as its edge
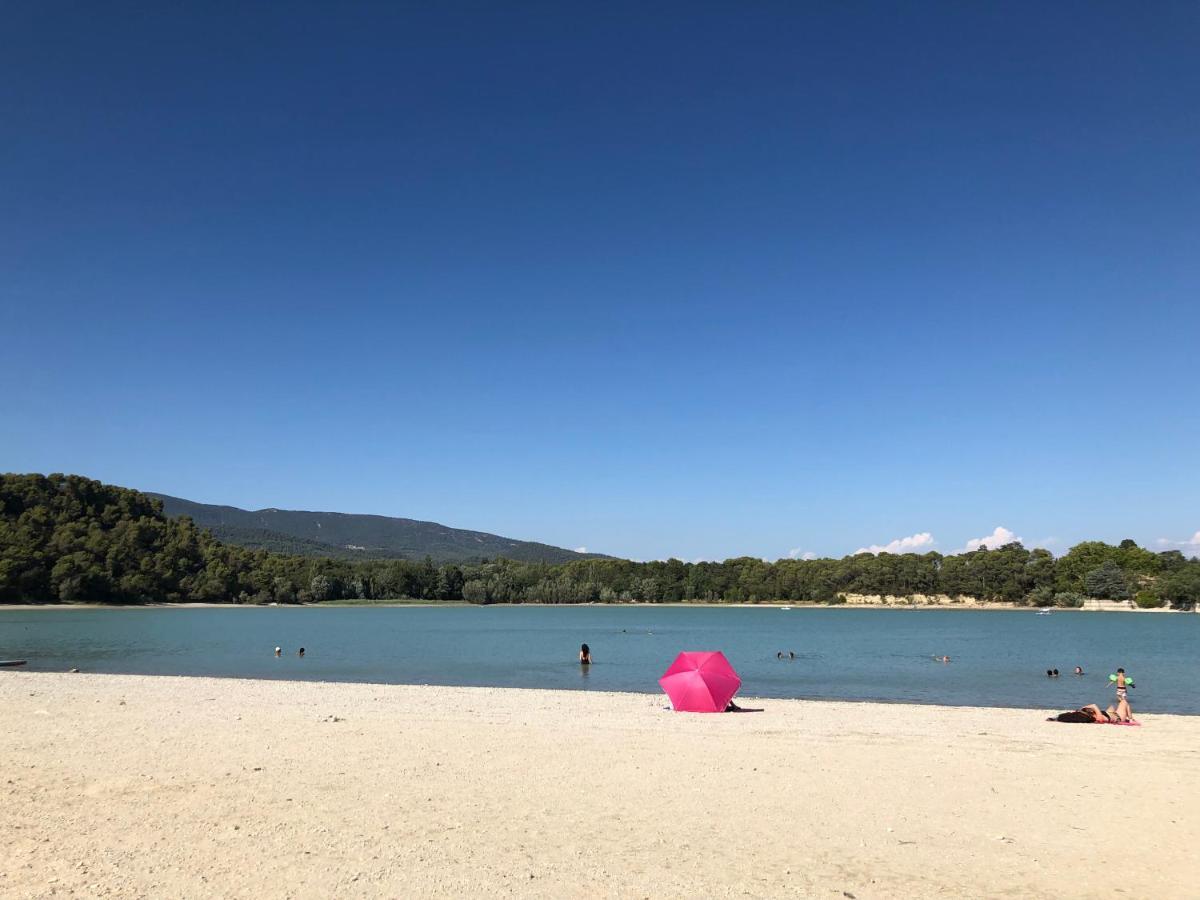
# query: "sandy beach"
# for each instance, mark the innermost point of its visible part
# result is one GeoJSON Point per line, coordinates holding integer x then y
{"type": "Point", "coordinates": [130, 786]}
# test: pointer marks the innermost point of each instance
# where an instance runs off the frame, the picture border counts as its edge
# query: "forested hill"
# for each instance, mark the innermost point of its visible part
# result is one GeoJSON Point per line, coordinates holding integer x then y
{"type": "Point", "coordinates": [350, 536]}
{"type": "Point", "coordinates": [67, 539]}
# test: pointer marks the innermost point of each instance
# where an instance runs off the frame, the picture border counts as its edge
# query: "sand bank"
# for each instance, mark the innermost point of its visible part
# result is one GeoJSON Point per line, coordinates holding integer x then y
{"type": "Point", "coordinates": [132, 786]}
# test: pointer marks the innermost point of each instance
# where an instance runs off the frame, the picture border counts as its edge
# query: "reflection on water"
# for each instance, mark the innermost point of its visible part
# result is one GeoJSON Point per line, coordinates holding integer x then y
{"type": "Point", "coordinates": [997, 658]}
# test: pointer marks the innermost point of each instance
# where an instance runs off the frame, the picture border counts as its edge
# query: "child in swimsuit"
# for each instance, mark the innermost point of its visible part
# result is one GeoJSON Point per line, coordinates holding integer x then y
{"type": "Point", "coordinates": [1123, 683]}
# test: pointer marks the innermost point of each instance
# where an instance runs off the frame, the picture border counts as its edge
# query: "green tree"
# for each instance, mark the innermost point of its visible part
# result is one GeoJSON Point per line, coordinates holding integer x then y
{"type": "Point", "coordinates": [1107, 581]}
{"type": "Point", "coordinates": [475, 591]}
{"type": "Point", "coordinates": [1182, 587]}
{"type": "Point", "coordinates": [1148, 600]}
{"type": "Point", "coordinates": [449, 583]}
{"type": "Point", "coordinates": [1081, 559]}
{"type": "Point", "coordinates": [322, 588]}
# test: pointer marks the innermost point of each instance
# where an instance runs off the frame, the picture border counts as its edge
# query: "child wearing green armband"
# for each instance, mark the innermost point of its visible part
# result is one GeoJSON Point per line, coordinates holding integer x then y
{"type": "Point", "coordinates": [1123, 683]}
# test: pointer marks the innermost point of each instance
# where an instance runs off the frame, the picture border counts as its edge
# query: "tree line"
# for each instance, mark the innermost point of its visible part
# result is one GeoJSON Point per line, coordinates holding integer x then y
{"type": "Point", "coordinates": [68, 539]}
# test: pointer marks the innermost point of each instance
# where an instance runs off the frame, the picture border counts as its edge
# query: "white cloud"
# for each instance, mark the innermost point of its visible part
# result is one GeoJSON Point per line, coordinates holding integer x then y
{"type": "Point", "coordinates": [998, 538]}
{"type": "Point", "coordinates": [581, 549]}
{"type": "Point", "coordinates": [911, 544]}
{"type": "Point", "coordinates": [801, 553]}
{"type": "Point", "coordinates": [1189, 547]}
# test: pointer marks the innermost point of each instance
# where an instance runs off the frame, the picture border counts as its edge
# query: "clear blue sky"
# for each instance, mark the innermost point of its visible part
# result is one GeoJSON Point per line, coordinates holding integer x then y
{"type": "Point", "coordinates": [686, 279]}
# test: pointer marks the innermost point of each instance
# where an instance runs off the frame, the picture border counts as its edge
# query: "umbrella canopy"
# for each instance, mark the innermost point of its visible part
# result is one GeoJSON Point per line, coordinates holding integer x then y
{"type": "Point", "coordinates": [700, 682]}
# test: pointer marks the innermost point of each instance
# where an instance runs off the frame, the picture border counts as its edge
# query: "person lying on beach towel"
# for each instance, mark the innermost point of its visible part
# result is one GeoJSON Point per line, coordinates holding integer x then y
{"type": "Point", "coordinates": [1090, 714]}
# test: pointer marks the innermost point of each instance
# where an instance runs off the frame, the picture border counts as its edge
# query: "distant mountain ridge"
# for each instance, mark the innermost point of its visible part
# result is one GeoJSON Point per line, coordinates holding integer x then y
{"type": "Point", "coordinates": [354, 536]}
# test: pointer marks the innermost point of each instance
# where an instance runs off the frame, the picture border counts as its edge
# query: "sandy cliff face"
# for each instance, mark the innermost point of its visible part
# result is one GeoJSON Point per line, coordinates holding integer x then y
{"type": "Point", "coordinates": [918, 600]}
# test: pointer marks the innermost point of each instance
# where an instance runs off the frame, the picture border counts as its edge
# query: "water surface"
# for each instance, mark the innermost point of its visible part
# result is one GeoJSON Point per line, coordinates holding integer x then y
{"type": "Point", "coordinates": [999, 658]}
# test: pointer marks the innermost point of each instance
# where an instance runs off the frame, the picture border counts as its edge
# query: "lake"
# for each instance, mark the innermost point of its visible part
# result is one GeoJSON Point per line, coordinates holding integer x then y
{"type": "Point", "coordinates": [999, 657]}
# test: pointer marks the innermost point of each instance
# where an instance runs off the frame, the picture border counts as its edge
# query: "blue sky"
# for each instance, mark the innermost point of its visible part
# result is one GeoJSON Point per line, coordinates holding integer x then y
{"type": "Point", "coordinates": [699, 280]}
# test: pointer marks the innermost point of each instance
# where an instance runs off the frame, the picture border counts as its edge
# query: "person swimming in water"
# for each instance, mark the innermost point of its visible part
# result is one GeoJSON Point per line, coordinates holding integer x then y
{"type": "Point", "coordinates": [300, 653]}
{"type": "Point", "coordinates": [585, 655]}
{"type": "Point", "coordinates": [1079, 670]}
{"type": "Point", "coordinates": [279, 651]}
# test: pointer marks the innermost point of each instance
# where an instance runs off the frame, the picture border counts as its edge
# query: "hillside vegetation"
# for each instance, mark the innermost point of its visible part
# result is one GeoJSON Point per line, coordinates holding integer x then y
{"type": "Point", "coordinates": [288, 545]}
{"type": "Point", "coordinates": [352, 536]}
{"type": "Point", "coordinates": [67, 539]}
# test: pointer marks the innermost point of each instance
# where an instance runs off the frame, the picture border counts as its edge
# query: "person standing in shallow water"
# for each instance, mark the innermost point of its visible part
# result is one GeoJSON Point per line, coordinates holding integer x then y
{"type": "Point", "coordinates": [585, 655]}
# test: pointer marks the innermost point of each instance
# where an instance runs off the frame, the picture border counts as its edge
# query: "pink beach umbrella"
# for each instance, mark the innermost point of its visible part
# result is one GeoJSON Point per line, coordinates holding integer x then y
{"type": "Point", "coordinates": [700, 682]}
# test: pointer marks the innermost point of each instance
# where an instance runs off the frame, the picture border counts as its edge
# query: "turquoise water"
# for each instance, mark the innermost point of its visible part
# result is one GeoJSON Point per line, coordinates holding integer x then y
{"type": "Point", "coordinates": [999, 658]}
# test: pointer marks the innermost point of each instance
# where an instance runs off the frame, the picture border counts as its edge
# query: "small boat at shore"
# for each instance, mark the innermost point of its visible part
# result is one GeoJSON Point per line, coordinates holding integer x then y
{"type": "Point", "coordinates": [10, 663]}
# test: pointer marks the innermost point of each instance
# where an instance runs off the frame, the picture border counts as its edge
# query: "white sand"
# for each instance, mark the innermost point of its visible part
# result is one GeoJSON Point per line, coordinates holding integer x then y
{"type": "Point", "coordinates": [187, 787]}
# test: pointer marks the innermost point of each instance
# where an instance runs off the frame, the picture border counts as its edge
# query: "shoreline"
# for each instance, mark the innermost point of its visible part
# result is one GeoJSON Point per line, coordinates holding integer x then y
{"type": "Point", "coordinates": [887, 706]}
{"type": "Point", "coordinates": [794, 605]}
{"type": "Point", "coordinates": [195, 787]}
